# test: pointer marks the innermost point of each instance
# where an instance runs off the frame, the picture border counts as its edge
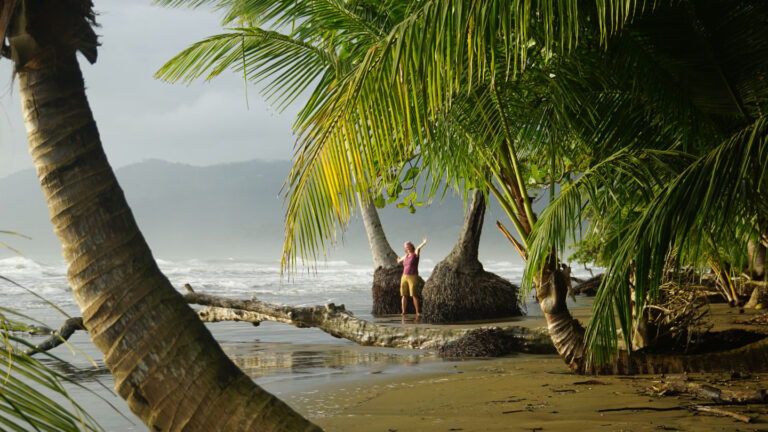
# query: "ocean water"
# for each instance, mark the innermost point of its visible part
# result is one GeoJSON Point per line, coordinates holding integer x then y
{"type": "Point", "coordinates": [287, 361]}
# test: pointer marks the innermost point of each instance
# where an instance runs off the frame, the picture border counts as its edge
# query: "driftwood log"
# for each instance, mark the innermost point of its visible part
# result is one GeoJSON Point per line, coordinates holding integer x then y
{"type": "Point", "coordinates": [588, 287]}
{"type": "Point", "coordinates": [674, 386]}
{"type": "Point", "coordinates": [723, 413]}
{"type": "Point", "coordinates": [334, 320]}
{"type": "Point", "coordinates": [338, 322]}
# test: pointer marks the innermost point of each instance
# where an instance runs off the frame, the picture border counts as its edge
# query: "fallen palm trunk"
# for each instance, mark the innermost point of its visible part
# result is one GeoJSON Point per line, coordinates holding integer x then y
{"type": "Point", "coordinates": [338, 322]}
{"type": "Point", "coordinates": [334, 320]}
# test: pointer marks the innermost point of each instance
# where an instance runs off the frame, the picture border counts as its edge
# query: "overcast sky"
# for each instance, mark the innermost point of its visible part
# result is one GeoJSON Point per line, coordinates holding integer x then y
{"type": "Point", "coordinates": [142, 118]}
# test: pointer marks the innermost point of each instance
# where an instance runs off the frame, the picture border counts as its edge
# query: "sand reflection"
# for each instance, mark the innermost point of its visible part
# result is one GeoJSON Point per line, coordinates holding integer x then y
{"type": "Point", "coordinates": [283, 359]}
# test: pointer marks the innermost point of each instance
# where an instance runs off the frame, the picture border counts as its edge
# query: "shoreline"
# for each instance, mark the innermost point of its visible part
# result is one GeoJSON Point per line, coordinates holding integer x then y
{"type": "Point", "coordinates": [523, 392]}
{"type": "Point", "coordinates": [517, 392]}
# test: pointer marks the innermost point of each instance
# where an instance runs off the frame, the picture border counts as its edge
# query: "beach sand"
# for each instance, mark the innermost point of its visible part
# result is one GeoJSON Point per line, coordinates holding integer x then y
{"type": "Point", "coordinates": [518, 393]}
{"type": "Point", "coordinates": [521, 393]}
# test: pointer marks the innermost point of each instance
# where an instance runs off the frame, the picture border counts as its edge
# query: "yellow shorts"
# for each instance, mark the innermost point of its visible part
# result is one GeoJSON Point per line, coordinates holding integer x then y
{"type": "Point", "coordinates": [409, 285]}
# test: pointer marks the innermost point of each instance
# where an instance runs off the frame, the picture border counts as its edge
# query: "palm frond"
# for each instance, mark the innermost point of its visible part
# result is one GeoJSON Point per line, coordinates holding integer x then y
{"type": "Point", "coordinates": [720, 189]}
{"type": "Point", "coordinates": [26, 386]}
{"type": "Point", "coordinates": [289, 65]}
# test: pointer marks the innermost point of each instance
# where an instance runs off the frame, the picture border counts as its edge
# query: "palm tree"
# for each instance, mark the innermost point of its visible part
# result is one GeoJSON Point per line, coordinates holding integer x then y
{"type": "Point", "coordinates": [459, 289]}
{"type": "Point", "coordinates": [702, 64]}
{"type": "Point", "coordinates": [328, 46]}
{"type": "Point", "coordinates": [165, 363]}
{"type": "Point", "coordinates": [630, 108]}
{"type": "Point", "coordinates": [449, 82]}
{"type": "Point", "coordinates": [293, 62]}
{"type": "Point", "coordinates": [387, 271]}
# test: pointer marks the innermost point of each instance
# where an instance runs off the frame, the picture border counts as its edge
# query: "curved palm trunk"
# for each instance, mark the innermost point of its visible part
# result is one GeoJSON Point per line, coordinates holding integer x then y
{"type": "Point", "coordinates": [567, 336]}
{"type": "Point", "coordinates": [459, 288]}
{"type": "Point", "coordinates": [165, 363]}
{"type": "Point", "coordinates": [566, 332]}
{"type": "Point", "coordinates": [463, 256]}
{"type": "Point", "coordinates": [387, 272]}
{"type": "Point", "coordinates": [381, 251]}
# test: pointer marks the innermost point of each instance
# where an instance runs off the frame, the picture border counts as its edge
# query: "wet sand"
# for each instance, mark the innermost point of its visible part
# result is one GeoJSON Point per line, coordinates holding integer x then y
{"type": "Point", "coordinates": [515, 393]}
{"type": "Point", "coordinates": [518, 393]}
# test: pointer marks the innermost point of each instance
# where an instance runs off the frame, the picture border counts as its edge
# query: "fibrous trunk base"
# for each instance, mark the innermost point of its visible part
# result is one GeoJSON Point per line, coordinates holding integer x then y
{"type": "Point", "coordinates": [386, 292]}
{"type": "Point", "coordinates": [452, 296]}
{"type": "Point", "coordinates": [481, 342]}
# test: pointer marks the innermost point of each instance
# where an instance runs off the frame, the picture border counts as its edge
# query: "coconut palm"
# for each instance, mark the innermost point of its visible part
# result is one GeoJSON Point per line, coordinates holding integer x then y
{"type": "Point", "coordinates": [165, 363]}
{"type": "Point", "coordinates": [289, 63]}
{"type": "Point", "coordinates": [711, 59]}
{"type": "Point", "coordinates": [331, 55]}
{"type": "Point", "coordinates": [472, 89]}
{"type": "Point", "coordinates": [459, 289]}
{"type": "Point", "coordinates": [653, 107]}
{"type": "Point", "coordinates": [372, 110]}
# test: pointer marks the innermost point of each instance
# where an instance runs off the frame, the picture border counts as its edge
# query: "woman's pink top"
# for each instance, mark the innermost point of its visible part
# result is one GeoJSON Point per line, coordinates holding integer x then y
{"type": "Point", "coordinates": [411, 264]}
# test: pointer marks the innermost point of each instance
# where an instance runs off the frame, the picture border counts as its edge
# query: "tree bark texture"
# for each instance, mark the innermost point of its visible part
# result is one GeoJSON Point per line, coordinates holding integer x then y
{"type": "Point", "coordinates": [566, 332]}
{"type": "Point", "coordinates": [459, 289]}
{"type": "Point", "coordinates": [165, 363]}
{"type": "Point", "coordinates": [463, 256]}
{"type": "Point", "coordinates": [381, 251]}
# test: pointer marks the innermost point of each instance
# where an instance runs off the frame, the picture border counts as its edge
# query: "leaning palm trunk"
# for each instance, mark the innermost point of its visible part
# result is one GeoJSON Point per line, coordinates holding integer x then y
{"type": "Point", "coordinates": [165, 363]}
{"type": "Point", "coordinates": [566, 332]}
{"type": "Point", "coordinates": [567, 336]}
{"type": "Point", "coordinates": [387, 272]}
{"type": "Point", "coordinates": [459, 288]}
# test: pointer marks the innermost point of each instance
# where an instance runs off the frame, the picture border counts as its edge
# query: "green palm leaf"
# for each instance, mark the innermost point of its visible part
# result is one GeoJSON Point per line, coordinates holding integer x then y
{"type": "Point", "coordinates": [26, 386]}
{"type": "Point", "coordinates": [720, 189]}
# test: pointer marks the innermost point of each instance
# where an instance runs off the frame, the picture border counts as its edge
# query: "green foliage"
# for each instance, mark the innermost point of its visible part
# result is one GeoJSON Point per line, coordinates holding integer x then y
{"type": "Point", "coordinates": [27, 386]}
{"type": "Point", "coordinates": [398, 69]}
{"type": "Point", "coordinates": [652, 126]}
{"type": "Point", "coordinates": [704, 197]}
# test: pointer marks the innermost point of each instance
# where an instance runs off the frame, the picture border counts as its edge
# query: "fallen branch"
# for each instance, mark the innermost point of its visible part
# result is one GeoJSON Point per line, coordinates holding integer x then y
{"type": "Point", "coordinates": [338, 322]}
{"type": "Point", "coordinates": [57, 337]}
{"type": "Point", "coordinates": [705, 391]}
{"type": "Point", "coordinates": [644, 408]}
{"type": "Point", "coordinates": [722, 412]}
{"type": "Point", "coordinates": [518, 247]}
{"type": "Point", "coordinates": [700, 408]}
{"type": "Point", "coordinates": [589, 286]}
{"type": "Point", "coordinates": [332, 319]}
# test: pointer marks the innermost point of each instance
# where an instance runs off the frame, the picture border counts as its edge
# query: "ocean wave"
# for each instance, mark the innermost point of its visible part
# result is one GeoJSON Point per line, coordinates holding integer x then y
{"type": "Point", "coordinates": [504, 265]}
{"type": "Point", "coordinates": [335, 264]}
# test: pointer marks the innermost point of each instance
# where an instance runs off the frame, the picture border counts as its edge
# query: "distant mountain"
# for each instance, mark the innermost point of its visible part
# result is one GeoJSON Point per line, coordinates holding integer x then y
{"type": "Point", "coordinates": [229, 210]}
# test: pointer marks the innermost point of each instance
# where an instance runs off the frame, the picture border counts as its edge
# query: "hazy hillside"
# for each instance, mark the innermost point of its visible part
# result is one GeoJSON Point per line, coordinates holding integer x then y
{"type": "Point", "coordinates": [229, 210]}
